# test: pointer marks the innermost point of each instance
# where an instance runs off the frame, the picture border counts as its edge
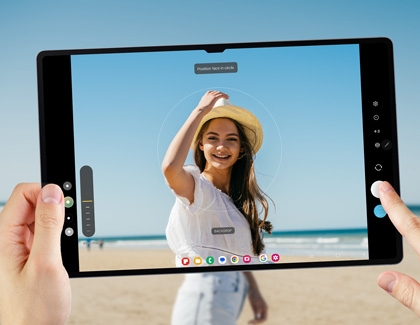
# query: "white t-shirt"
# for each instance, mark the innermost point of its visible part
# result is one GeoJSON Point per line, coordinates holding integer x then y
{"type": "Point", "coordinates": [210, 226]}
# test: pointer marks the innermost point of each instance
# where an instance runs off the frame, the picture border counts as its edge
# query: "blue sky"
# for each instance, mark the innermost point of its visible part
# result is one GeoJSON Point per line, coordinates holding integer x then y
{"type": "Point", "coordinates": [26, 28]}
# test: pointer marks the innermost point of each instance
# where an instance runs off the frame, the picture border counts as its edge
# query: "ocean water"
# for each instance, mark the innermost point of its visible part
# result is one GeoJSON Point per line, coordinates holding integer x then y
{"type": "Point", "coordinates": [343, 243]}
{"type": "Point", "coordinates": [415, 209]}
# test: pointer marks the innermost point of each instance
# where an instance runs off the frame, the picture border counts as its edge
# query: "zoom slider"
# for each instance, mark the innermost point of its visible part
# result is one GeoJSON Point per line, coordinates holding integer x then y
{"type": "Point", "coordinates": [88, 210]}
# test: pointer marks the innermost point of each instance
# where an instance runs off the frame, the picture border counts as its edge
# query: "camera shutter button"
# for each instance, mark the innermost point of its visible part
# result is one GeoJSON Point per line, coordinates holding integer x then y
{"type": "Point", "coordinates": [375, 189]}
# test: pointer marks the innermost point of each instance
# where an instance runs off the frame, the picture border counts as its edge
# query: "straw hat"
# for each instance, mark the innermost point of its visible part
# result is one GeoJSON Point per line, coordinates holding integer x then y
{"type": "Point", "coordinates": [252, 127]}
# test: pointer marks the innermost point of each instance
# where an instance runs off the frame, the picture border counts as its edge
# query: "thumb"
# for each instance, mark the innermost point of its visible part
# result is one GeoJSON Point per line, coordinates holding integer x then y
{"type": "Point", "coordinates": [403, 288]}
{"type": "Point", "coordinates": [49, 219]}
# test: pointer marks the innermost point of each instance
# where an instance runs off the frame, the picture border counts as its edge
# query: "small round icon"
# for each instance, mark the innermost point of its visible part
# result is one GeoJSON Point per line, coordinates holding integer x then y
{"type": "Point", "coordinates": [234, 259]}
{"type": "Point", "coordinates": [210, 260]}
{"type": "Point", "coordinates": [68, 217]}
{"type": "Point", "coordinates": [222, 259]}
{"type": "Point", "coordinates": [263, 258]}
{"type": "Point", "coordinates": [386, 144]}
{"type": "Point", "coordinates": [379, 211]}
{"type": "Point", "coordinates": [68, 202]}
{"type": "Point", "coordinates": [375, 189]}
{"type": "Point", "coordinates": [275, 258]}
{"type": "Point", "coordinates": [69, 232]}
{"type": "Point", "coordinates": [375, 103]}
{"type": "Point", "coordinates": [198, 260]}
{"type": "Point", "coordinates": [247, 259]}
{"type": "Point", "coordinates": [67, 186]}
{"type": "Point", "coordinates": [185, 261]}
{"type": "Point", "coordinates": [376, 117]}
{"type": "Point", "coordinates": [378, 167]}
{"type": "Point", "coordinates": [377, 145]}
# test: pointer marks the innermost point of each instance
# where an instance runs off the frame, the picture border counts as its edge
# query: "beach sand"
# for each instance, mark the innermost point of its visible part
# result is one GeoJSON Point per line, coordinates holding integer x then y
{"type": "Point", "coordinates": [347, 295]}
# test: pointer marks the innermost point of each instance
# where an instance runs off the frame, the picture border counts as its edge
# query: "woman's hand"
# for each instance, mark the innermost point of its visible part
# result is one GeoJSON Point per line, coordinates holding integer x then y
{"type": "Point", "coordinates": [257, 302]}
{"type": "Point", "coordinates": [34, 286]}
{"type": "Point", "coordinates": [209, 99]}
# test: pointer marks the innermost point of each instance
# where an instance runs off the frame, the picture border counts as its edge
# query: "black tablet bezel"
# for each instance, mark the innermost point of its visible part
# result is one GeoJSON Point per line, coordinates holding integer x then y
{"type": "Point", "coordinates": [377, 82]}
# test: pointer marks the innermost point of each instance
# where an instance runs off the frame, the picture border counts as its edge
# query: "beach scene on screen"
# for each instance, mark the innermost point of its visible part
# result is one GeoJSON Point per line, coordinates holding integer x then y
{"type": "Point", "coordinates": [127, 108]}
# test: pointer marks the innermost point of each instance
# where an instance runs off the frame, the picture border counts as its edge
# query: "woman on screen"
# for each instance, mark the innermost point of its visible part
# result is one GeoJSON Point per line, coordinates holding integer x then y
{"type": "Point", "coordinates": [215, 218]}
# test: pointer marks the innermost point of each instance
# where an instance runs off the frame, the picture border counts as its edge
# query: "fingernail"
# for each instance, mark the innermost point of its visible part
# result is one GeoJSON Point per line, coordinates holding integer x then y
{"type": "Point", "coordinates": [386, 187]}
{"type": "Point", "coordinates": [387, 282]}
{"type": "Point", "coordinates": [51, 194]}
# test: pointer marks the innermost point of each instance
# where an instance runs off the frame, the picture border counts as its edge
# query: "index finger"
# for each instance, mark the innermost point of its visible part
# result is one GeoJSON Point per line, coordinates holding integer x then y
{"type": "Point", "coordinates": [406, 222]}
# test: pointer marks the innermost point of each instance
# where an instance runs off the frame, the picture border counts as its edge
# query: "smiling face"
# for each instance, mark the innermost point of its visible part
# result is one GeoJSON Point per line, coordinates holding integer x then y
{"type": "Point", "coordinates": [221, 144]}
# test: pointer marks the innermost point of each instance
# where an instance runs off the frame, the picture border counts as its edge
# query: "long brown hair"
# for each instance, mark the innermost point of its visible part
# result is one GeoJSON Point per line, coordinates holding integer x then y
{"type": "Point", "coordinates": [243, 187]}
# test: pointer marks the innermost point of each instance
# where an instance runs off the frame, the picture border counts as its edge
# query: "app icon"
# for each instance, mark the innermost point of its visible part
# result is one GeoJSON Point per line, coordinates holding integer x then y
{"type": "Point", "coordinates": [68, 202]}
{"type": "Point", "coordinates": [247, 259]}
{"type": "Point", "coordinates": [67, 186]}
{"type": "Point", "coordinates": [275, 258]}
{"type": "Point", "coordinates": [69, 232]}
{"type": "Point", "coordinates": [222, 259]}
{"type": "Point", "coordinates": [263, 258]}
{"type": "Point", "coordinates": [185, 261]}
{"type": "Point", "coordinates": [234, 259]}
{"type": "Point", "coordinates": [198, 260]}
{"type": "Point", "coordinates": [210, 260]}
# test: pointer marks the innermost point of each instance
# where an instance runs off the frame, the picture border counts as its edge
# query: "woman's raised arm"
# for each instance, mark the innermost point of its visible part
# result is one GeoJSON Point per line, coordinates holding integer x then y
{"type": "Point", "coordinates": [172, 166]}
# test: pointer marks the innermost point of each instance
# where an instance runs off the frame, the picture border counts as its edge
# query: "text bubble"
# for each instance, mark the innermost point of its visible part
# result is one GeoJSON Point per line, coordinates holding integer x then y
{"type": "Point", "coordinates": [222, 67]}
{"type": "Point", "coordinates": [223, 231]}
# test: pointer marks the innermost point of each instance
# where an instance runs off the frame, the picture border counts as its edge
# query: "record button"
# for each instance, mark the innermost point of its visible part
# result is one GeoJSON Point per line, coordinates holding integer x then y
{"type": "Point", "coordinates": [379, 211]}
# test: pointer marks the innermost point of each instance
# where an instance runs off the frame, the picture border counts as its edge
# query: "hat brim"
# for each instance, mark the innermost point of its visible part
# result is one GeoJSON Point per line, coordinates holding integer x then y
{"type": "Point", "coordinates": [252, 125]}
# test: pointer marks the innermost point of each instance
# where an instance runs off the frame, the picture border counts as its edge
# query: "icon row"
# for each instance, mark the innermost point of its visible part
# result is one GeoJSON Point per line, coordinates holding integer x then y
{"type": "Point", "coordinates": [385, 144]}
{"type": "Point", "coordinates": [68, 203]}
{"type": "Point", "coordinates": [223, 259]}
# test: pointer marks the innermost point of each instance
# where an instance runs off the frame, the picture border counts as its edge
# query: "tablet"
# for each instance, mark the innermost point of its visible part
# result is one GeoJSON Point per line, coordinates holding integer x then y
{"type": "Point", "coordinates": [327, 137]}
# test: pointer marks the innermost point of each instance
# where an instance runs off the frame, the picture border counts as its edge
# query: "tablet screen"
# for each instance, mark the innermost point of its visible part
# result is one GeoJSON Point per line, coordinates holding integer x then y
{"type": "Point", "coordinates": [313, 164]}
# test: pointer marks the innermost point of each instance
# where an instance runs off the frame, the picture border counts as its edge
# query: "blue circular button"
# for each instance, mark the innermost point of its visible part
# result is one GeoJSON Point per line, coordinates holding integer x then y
{"type": "Point", "coordinates": [379, 211]}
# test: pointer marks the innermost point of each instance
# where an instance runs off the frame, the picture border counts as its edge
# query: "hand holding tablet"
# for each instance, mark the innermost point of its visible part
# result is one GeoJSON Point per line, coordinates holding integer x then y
{"type": "Point", "coordinates": [327, 115]}
{"type": "Point", "coordinates": [56, 166]}
{"type": "Point", "coordinates": [35, 288]}
{"type": "Point", "coordinates": [401, 286]}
